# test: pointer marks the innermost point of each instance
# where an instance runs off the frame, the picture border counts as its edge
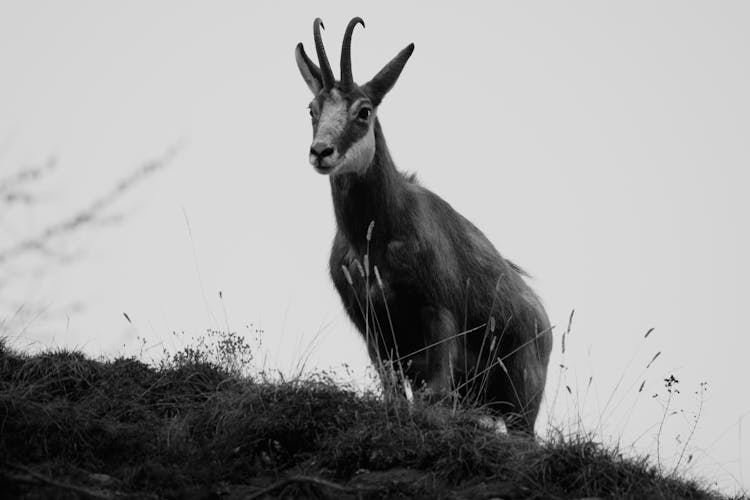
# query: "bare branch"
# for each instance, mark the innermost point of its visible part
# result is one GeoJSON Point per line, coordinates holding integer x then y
{"type": "Point", "coordinates": [26, 175]}
{"type": "Point", "coordinates": [309, 480]}
{"type": "Point", "coordinates": [88, 215]}
{"type": "Point", "coordinates": [35, 478]}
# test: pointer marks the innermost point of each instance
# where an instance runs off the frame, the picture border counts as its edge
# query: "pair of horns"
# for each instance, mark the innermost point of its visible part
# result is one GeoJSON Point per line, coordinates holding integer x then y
{"type": "Point", "coordinates": [346, 55]}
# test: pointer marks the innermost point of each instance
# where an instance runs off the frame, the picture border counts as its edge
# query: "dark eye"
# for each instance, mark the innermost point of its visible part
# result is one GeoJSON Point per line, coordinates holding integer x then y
{"type": "Point", "coordinates": [364, 113]}
{"type": "Point", "coordinates": [312, 115]}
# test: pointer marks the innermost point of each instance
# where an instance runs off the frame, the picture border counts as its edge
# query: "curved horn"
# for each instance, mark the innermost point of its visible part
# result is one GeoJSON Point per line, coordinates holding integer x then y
{"type": "Point", "coordinates": [325, 66]}
{"type": "Point", "coordinates": [346, 53]}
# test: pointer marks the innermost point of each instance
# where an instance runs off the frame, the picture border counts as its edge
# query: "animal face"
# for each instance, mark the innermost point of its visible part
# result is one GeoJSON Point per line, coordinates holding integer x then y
{"type": "Point", "coordinates": [343, 132]}
{"type": "Point", "coordinates": [343, 113]}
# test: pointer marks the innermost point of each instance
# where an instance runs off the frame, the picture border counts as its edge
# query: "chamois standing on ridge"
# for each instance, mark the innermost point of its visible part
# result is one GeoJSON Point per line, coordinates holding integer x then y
{"type": "Point", "coordinates": [433, 292]}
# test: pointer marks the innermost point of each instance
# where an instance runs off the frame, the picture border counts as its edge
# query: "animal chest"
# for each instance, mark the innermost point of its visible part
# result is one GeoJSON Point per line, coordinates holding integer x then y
{"type": "Point", "coordinates": [378, 277]}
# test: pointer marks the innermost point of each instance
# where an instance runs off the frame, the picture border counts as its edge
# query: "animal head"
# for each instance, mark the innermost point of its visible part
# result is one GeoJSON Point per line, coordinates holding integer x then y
{"type": "Point", "coordinates": [344, 113]}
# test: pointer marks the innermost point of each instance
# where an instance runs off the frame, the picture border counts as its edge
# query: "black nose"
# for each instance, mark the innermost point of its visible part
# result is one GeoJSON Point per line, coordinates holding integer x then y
{"type": "Point", "coordinates": [321, 150]}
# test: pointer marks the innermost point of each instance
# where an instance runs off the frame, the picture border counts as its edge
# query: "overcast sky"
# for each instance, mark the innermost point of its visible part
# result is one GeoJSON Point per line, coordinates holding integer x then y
{"type": "Point", "coordinates": [602, 147]}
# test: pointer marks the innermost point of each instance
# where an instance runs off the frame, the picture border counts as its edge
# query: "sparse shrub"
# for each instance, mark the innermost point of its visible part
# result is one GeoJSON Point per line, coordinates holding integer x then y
{"type": "Point", "coordinates": [224, 350]}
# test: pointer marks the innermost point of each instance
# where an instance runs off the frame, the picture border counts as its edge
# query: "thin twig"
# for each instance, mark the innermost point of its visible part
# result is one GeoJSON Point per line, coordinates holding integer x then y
{"type": "Point", "coordinates": [390, 322]}
{"type": "Point", "coordinates": [489, 320]}
{"type": "Point", "coordinates": [619, 382]}
{"type": "Point", "coordinates": [307, 480]}
{"type": "Point", "coordinates": [33, 477]}
{"type": "Point", "coordinates": [491, 355]}
{"type": "Point", "coordinates": [692, 430]}
{"type": "Point", "coordinates": [497, 362]}
{"type": "Point", "coordinates": [546, 330]}
{"type": "Point", "coordinates": [88, 214]}
{"type": "Point", "coordinates": [13, 182]}
{"type": "Point", "coordinates": [417, 351]}
{"type": "Point", "coordinates": [661, 428]}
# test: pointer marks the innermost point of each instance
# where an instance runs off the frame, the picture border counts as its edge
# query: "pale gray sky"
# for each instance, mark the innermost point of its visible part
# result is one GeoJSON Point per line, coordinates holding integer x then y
{"type": "Point", "coordinates": [604, 147]}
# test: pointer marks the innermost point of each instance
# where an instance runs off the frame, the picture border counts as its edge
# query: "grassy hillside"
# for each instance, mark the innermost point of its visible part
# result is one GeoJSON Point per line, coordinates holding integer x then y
{"type": "Point", "coordinates": [73, 427]}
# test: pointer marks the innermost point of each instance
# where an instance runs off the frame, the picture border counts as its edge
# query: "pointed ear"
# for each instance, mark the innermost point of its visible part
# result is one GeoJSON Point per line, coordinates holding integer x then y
{"type": "Point", "coordinates": [381, 83]}
{"type": "Point", "coordinates": [310, 72]}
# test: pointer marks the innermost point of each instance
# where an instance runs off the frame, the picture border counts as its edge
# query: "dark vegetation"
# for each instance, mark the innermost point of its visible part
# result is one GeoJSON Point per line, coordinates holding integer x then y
{"type": "Point", "coordinates": [194, 427]}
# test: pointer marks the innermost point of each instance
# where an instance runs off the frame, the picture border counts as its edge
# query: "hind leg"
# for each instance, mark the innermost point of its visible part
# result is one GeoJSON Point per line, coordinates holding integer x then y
{"type": "Point", "coordinates": [520, 390]}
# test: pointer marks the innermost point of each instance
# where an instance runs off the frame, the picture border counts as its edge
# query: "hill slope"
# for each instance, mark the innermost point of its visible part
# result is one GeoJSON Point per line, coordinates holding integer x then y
{"type": "Point", "coordinates": [73, 427]}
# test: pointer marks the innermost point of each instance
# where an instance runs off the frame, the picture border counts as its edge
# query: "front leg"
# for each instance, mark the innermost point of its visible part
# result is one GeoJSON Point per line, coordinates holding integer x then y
{"type": "Point", "coordinates": [440, 330]}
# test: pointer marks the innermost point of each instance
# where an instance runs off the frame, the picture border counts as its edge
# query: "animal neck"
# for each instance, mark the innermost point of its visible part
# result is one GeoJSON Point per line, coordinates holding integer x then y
{"type": "Point", "coordinates": [374, 194]}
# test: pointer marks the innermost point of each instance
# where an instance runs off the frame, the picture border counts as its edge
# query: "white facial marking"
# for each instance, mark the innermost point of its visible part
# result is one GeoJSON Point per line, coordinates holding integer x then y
{"type": "Point", "coordinates": [359, 155]}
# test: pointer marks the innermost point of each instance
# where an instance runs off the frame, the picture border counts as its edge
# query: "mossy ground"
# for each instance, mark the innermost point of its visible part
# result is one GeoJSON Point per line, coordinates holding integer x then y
{"type": "Point", "coordinates": [74, 427]}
